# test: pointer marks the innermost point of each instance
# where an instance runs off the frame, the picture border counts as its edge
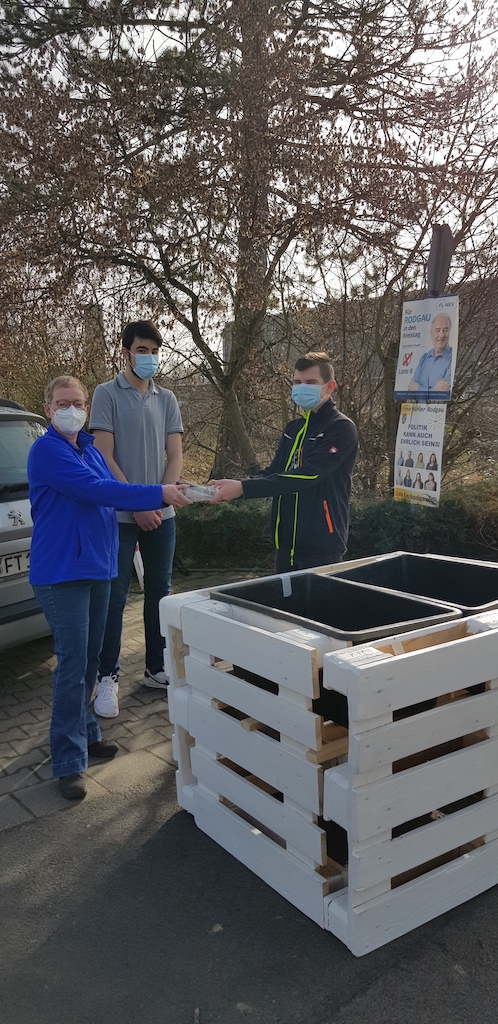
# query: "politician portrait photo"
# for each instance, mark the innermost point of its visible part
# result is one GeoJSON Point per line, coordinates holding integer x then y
{"type": "Point", "coordinates": [433, 371]}
{"type": "Point", "coordinates": [428, 351]}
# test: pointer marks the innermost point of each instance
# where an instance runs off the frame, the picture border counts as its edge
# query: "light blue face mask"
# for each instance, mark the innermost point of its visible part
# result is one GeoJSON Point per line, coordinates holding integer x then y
{"type": "Point", "coordinates": [306, 396]}
{"type": "Point", "coordinates": [145, 365]}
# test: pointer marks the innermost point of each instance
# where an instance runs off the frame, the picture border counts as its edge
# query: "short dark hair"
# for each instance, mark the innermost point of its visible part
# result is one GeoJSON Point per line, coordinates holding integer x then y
{"type": "Point", "coordinates": [319, 359]}
{"type": "Point", "coordinates": [140, 329]}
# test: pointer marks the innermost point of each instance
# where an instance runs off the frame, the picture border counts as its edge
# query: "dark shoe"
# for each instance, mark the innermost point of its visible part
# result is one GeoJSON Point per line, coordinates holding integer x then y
{"type": "Point", "coordinates": [101, 748]}
{"type": "Point", "coordinates": [73, 787]}
{"type": "Point", "coordinates": [155, 680]}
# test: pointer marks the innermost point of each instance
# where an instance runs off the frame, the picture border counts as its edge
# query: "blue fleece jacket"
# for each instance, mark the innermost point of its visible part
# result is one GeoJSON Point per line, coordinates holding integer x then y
{"type": "Point", "coordinates": [73, 500]}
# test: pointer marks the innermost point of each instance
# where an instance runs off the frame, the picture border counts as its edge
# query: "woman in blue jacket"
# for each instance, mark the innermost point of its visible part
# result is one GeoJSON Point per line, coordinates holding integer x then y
{"type": "Point", "coordinates": [73, 559]}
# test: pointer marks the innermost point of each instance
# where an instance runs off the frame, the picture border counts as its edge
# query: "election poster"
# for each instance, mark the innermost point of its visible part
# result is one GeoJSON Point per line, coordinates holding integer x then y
{"type": "Point", "coordinates": [427, 350]}
{"type": "Point", "coordinates": [419, 450]}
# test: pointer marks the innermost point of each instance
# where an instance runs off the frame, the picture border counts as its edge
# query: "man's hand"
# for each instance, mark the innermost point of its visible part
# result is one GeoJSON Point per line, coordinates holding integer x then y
{"type": "Point", "coordinates": [148, 520]}
{"type": "Point", "coordinates": [413, 386]}
{"type": "Point", "coordinates": [226, 490]}
{"type": "Point", "coordinates": [442, 385]}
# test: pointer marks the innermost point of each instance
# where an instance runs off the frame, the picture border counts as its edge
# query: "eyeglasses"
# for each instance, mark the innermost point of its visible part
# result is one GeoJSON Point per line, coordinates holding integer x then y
{"type": "Point", "coordinates": [67, 405]}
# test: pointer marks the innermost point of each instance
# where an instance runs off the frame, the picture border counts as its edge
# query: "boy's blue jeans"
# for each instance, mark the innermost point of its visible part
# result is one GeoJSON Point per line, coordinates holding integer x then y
{"type": "Point", "coordinates": [76, 613]}
{"type": "Point", "coordinates": [157, 548]}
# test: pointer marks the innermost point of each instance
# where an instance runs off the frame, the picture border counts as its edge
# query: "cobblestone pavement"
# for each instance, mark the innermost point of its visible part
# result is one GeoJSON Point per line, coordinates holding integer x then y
{"type": "Point", "coordinates": [142, 729]}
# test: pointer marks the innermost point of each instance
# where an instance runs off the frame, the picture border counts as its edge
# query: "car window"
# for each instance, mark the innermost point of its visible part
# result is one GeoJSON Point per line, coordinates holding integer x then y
{"type": "Point", "coordinates": [16, 438]}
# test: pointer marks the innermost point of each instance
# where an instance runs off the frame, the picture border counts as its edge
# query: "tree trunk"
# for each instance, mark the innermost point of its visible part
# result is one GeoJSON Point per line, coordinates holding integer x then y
{"type": "Point", "coordinates": [236, 452]}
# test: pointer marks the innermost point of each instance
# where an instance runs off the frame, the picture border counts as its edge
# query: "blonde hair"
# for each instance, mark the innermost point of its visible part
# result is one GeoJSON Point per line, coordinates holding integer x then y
{"type": "Point", "coordinates": [63, 382]}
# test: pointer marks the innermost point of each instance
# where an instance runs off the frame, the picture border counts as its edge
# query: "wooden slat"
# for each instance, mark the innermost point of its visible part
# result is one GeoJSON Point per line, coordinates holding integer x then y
{"type": "Point", "coordinates": [351, 564]}
{"type": "Point", "coordinates": [181, 747]}
{"type": "Point", "coordinates": [320, 642]}
{"type": "Point", "coordinates": [299, 884]}
{"type": "Point", "coordinates": [178, 705]}
{"type": "Point", "coordinates": [219, 705]}
{"type": "Point", "coordinates": [174, 655]}
{"type": "Point", "coordinates": [336, 748]}
{"type": "Point", "coordinates": [251, 724]}
{"type": "Point", "coordinates": [397, 682]}
{"type": "Point", "coordinates": [260, 705]}
{"type": "Point", "coordinates": [389, 743]}
{"type": "Point", "coordinates": [336, 916]}
{"type": "Point", "coordinates": [371, 864]}
{"type": "Point", "coordinates": [422, 641]}
{"type": "Point", "coordinates": [171, 607]}
{"type": "Point", "coordinates": [339, 667]}
{"type": "Point", "coordinates": [288, 772]}
{"type": "Point", "coordinates": [283, 661]}
{"type": "Point", "coordinates": [407, 795]}
{"type": "Point", "coordinates": [336, 789]}
{"type": "Point", "coordinates": [372, 924]}
{"type": "Point", "coordinates": [294, 828]}
{"type": "Point", "coordinates": [331, 731]}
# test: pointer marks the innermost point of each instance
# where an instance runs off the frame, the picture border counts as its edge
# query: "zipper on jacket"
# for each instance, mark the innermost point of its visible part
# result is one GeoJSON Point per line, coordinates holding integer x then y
{"type": "Point", "coordinates": [277, 523]}
{"type": "Point", "coordinates": [298, 440]}
{"type": "Point", "coordinates": [294, 531]}
{"type": "Point", "coordinates": [327, 517]}
{"type": "Point", "coordinates": [298, 443]}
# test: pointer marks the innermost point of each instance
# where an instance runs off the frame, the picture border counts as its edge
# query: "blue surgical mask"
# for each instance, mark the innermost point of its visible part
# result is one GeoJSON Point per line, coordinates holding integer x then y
{"type": "Point", "coordinates": [145, 365]}
{"type": "Point", "coordinates": [306, 396]}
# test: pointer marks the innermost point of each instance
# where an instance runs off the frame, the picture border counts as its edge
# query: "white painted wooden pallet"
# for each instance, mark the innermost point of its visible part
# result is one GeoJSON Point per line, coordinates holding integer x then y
{"type": "Point", "coordinates": [250, 761]}
{"type": "Point", "coordinates": [273, 785]}
{"type": "Point", "coordinates": [418, 795]}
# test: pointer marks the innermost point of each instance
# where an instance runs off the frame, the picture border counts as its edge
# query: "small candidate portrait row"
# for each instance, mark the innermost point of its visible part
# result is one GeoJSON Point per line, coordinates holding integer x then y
{"type": "Point", "coordinates": [429, 461]}
{"type": "Point", "coordinates": [405, 478]}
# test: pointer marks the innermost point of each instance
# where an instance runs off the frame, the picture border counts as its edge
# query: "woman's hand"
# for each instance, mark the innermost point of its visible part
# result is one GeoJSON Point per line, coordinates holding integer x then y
{"type": "Point", "coordinates": [173, 495]}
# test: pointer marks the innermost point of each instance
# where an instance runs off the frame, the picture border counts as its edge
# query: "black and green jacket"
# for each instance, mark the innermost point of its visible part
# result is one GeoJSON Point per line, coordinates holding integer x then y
{"type": "Point", "coordinates": [309, 480]}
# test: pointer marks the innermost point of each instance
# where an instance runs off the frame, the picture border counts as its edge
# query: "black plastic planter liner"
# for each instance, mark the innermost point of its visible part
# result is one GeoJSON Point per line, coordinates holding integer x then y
{"type": "Point", "coordinates": [337, 607]}
{"type": "Point", "coordinates": [471, 586]}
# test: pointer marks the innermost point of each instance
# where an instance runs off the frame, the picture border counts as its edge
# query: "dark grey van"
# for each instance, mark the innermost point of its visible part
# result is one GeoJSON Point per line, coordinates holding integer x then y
{"type": "Point", "coordinates": [21, 619]}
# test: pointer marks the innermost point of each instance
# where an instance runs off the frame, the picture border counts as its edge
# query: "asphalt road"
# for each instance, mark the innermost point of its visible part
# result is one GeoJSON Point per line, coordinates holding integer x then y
{"type": "Point", "coordinates": [120, 910]}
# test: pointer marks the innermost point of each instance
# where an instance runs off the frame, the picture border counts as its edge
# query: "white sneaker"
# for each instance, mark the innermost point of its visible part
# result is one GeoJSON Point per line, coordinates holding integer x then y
{"type": "Point", "coordinates": [106, 697]}
{"type": "Point", "coordinates": [156, 681]}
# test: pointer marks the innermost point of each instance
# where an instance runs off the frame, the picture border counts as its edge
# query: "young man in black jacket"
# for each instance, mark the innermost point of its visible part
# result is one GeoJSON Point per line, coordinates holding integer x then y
{"type": "Point", "coordinates": [309, 478]}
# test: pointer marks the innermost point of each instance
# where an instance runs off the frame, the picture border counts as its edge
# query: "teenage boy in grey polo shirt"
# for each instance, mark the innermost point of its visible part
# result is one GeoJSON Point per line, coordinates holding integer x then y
{"type": "Point", "coordinates": [136, 425]}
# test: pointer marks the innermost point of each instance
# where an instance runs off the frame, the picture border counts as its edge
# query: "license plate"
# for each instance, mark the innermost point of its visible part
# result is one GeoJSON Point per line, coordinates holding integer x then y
{"type": "Point", "coordinates": [15, 564]}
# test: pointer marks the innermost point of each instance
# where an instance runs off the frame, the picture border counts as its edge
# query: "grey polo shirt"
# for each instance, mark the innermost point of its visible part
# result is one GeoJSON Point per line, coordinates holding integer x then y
{"type": "Point", "coordinates": [140, 424]}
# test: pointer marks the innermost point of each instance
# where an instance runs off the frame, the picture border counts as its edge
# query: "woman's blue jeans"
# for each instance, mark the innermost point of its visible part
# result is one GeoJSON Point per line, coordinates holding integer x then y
{"type": "Point", "coordinates": [76, 613]}
{"type": "Point", "coordinates": [157, 548]}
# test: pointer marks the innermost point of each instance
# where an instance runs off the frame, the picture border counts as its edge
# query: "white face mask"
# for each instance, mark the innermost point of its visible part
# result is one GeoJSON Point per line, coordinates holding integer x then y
{"type": "Point", "coordinates": [69, 421]}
